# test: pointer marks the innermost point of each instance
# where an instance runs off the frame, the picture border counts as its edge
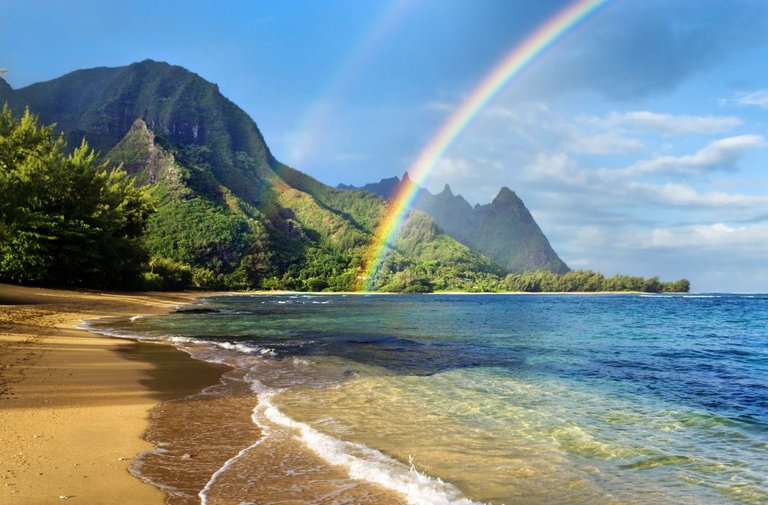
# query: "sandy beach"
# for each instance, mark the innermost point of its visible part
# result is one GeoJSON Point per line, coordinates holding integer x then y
{"type": "Point", "coordinates": [74, 405]}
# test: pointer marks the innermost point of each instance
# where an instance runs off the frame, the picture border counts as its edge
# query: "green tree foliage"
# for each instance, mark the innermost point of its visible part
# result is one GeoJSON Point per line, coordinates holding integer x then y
{"type": "Point", "coordinates": [321, 268]}
{"type": "Point", "coordinates": [165, 274]}
{"type": "Point", "coordinates": [65, 219]}
{"type": "Point", "coordinates": [224, 249]}
{"type": "Point", "coordinates": [229, 215]}
{"type": "Point", "coordinates": [589, 282]}
{"type": "Point", "coordinates": [679, 286]}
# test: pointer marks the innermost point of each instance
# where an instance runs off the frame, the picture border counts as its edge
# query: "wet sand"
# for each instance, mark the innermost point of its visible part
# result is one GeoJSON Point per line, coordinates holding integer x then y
{"type": "Point", "coordinates": [74, 405]}
{"type": "Point", "coordinates": [81, 415]}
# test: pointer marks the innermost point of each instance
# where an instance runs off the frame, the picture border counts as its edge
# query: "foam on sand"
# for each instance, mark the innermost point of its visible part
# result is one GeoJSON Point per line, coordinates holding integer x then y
{"type": "Point", "coordinates": [360, 461]}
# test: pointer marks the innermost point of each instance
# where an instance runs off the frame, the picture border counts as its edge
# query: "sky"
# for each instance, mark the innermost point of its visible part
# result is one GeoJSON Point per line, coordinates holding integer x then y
{"type": "Point", "coordinates": [637, 139]}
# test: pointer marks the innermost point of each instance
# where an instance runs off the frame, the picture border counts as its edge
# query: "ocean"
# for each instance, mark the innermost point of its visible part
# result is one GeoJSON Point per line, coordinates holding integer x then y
{"type": "Point", "coordinates": [461, 399]}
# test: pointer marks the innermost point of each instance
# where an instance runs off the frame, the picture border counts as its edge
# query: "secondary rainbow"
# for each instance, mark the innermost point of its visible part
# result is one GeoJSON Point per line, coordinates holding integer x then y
{"type": "Point", "coordinates": [510, 66]}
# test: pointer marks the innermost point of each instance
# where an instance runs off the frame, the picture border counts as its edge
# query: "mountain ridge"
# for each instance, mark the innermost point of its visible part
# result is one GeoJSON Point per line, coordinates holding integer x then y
{"type": "Point", "coordinates": [230, 215]}
{"type": "Point", "coordinates": [504, 230]}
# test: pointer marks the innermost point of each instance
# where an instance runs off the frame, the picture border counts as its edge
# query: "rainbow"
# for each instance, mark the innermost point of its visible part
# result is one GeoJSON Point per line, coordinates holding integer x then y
{"type": "Point", "coordinates": [510, 66]}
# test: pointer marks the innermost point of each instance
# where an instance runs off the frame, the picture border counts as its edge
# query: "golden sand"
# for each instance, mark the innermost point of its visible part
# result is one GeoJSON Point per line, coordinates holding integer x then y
{"type": "Point", "coordinates": [73, 405]}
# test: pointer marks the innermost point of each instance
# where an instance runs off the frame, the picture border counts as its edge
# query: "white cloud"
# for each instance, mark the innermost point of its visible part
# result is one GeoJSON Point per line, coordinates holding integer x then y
{"type": "Point", "coordinates": [719, 236]}
{"type": "Point", "coordinates": [719, 155]}
{"type": "Point", "coordinates": [676, 194]}
{"type": "Point", "coordinates": [678, 212]}
{"type": "Point", "coordinates": [714, 256]}
{"type": "Point", "coordinates": [757, 98]}
{"type": "Point", "coordinates": [669, 124]}
{"type": "Point", "coordinates": [561, 174]}
{"type": "Point", "coordinates": [555, 166]}
{"type": "Point", "coordinates": [615, 224]}
{"type": "Point", "coordinates": [453, 168]}
{"type": "Point", "coordinates": [538, 127]}
{"type": "Point", "coordinates": [611, 142]}
{"type": "Point", "coordinates": [477, 181]}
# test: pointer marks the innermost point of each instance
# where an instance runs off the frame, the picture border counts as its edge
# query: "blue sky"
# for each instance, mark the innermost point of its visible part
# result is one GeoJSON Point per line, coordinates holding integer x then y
{"type": "Point", "coordinates": [638, 140]}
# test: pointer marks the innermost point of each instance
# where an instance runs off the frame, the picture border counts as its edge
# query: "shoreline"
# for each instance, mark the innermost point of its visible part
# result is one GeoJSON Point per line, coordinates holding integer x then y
{"type": "Point", "coordinates": [74, 405]}
{"type": "Point", "coordinates": [467, 293]}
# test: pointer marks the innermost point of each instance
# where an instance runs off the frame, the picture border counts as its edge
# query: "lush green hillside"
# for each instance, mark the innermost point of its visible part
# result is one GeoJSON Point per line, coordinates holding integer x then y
{"type": "Point", "coordinates": [227, 214]}
{"type": "Point", "coordinates": [201, 231]}
{"type": "Point", "coordinates": [503, 230]}
{"type": "Point", "coordinates": [305, 236]}
{"type": "Point", "coordinates": [178, 105]}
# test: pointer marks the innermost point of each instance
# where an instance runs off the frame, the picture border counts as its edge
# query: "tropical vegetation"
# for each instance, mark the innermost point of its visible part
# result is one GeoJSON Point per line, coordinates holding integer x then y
{"type": "Point", "coordinates": [66, 218]}
{"type": "Point", "coordinates": [186, 194]}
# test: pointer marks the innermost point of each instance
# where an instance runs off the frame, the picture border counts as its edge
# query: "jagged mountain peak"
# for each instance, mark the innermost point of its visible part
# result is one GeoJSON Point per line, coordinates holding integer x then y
{"type": "Point", "coordinates": [141, 127]}
{"type": "Point", "coordinates": [504, 229]}
{"type": "Point", "coordinates": [507, 198]}
{"type": "Point", "coordinates": [506, 195]}
{"type": "Point", "coordinates": [142, 158]}
{"type": "Point", "coordinates": [227, 211]}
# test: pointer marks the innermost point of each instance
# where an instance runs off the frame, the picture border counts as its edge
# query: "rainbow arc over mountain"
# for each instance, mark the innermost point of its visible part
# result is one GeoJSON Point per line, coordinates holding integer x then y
{"type": "Point", "coordinates": [543, 37]}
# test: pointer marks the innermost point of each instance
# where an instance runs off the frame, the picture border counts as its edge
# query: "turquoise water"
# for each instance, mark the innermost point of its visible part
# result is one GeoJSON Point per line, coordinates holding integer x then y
{"type": "Point", "coordinates": [506, 399]}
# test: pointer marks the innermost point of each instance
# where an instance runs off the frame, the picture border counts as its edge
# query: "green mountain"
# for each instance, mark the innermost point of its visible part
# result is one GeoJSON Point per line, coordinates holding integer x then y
{"type": "Point", "coordinates": [228, 214]}
{"type": "Point", "coordinates": [504, 230]}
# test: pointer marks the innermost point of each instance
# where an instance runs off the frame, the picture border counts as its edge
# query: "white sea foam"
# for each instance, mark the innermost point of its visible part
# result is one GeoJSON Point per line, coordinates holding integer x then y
{"type": "Point", "coordinates": [86, 325]}
{"type": "Point", "coordinates": [245, 348]}
{"type": "Point", "coordinates": [677, 295]}
{"type": "Point", "coordinates": [135, 470]}
{"type": "Point", "coordinates": [203, 494]}
{"type": "Point", "coordinates": [176, 339]}
{"type": "Point", "coordinates": [360, 461]}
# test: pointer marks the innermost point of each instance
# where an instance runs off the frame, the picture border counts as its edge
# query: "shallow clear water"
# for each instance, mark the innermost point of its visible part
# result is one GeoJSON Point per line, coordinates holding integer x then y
{"type": "Point", "coordinates": [506, 399]}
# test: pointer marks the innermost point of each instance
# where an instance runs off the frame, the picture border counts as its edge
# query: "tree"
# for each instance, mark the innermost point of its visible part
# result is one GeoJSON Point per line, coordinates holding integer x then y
{"type": "Point", "coordinates": [65, 219]}
{"type": "Point", "coordinates": [678, 286]}
{"type": "Point", "coordinates": [653, 285]}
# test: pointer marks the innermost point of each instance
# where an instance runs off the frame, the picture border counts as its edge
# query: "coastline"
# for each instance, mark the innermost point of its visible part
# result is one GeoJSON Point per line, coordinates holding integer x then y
{"type": "Point", "coordinates": [462, 293]}
{"type": "Point", "coordinates": [74, 405]}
